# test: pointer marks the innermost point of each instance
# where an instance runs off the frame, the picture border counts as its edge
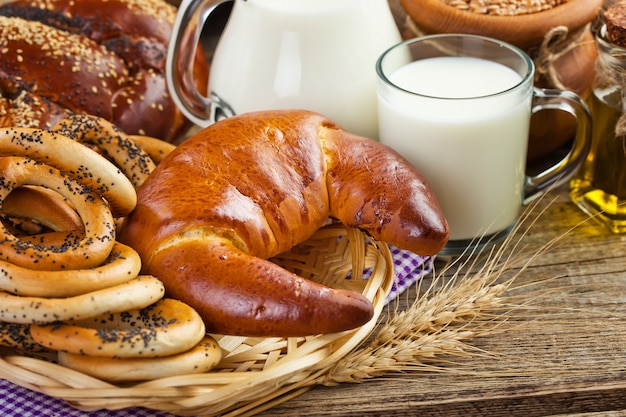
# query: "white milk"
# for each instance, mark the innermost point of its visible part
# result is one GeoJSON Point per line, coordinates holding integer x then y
{"type": "Point", "coordinates": [316, 54]}
{"type": "Point", "coordinates": [471, 151]}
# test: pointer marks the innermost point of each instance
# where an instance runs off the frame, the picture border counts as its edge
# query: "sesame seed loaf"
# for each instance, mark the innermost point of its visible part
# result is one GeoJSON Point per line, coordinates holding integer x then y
{"type": "Point", "coordinates": [104, 58]}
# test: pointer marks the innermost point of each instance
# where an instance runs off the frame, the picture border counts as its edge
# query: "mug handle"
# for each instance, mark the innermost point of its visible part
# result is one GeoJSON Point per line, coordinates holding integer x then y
{"type": "Point", "coordinates": [561, 171]}
{"type": "Point", "coordinates": [190, 19]}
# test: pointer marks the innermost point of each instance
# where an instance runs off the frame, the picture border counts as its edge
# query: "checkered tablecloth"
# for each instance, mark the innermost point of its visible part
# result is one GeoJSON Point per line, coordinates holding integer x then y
{"type": "Point", "coordinates": [16, 401]}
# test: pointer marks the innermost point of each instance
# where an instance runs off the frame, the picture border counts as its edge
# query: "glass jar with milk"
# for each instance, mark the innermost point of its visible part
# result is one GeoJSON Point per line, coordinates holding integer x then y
{"type": "Point", "coordinates": [316, 55]}
{"type": "Point", "coordinates": [458, 107]}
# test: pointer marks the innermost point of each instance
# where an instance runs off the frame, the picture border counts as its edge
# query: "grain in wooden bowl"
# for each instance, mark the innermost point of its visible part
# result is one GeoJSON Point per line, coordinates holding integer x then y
{"type": "Point", "coordinates": [556, 34]}
{"type": "Point", "coordinates": [504, 7]}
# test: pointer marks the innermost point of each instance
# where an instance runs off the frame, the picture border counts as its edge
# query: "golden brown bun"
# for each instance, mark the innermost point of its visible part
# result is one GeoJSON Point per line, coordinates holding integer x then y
{"type": "Point", "coordinates": [255, 185]}
{"type": "Point", "coordinates": [88, 56]}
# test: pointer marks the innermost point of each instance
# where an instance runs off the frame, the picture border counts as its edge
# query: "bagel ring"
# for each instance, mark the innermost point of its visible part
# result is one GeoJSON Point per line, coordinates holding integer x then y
{"type": "Point", "coordinates": [42, 205]}
{"type": "Point", "coordinates": [164, 328]}
{"type": "Point", "coordinates": [111, 141]}
{"type": "Point", "coordinates": [31, 210]}
{"type": "Point", "coordinates": [122, 265]}
{"type": "Point", "coordinates": [156, 148]}
{"type": "Point", "coordinates": [42, 239]}
{"type": "Point", "coordinates": [77, 251]}
{"type": "Point", "coordinates": [75, 160]}
{"type": "Point", "coordinates": [201, 358]}
{"type": "Point", "coordinates": [17, 336]}
{"type": "Point", "coordinates": [20, 226]}
{"type": "Point", "coordinates": [136, 293]}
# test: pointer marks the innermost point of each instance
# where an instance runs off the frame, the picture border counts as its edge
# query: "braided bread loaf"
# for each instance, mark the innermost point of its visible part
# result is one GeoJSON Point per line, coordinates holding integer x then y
{"type": "Point", "coordinates": [103, 58]}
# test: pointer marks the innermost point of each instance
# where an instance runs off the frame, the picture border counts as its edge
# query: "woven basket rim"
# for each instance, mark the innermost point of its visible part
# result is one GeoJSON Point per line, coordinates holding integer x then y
{"type": "Point", "coordinates": [287, 366]}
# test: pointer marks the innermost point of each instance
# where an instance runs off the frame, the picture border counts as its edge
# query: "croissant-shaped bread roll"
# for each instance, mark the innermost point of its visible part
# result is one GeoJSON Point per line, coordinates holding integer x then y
{"type": "Point", "coordinates": [252, 186]}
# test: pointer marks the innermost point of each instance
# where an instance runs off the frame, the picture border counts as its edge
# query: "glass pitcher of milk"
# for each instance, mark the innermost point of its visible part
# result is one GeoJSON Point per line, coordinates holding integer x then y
{"type": "Point", "coordinates": [317, 55]}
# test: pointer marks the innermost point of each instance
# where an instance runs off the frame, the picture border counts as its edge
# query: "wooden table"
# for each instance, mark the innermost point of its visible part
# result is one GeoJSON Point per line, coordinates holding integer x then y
{"type": "Point", "coordinates": [566, 356]}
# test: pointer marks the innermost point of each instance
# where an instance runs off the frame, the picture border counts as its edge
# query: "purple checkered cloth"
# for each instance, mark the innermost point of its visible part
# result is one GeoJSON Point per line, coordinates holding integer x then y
{"type": "Point", "coordinates": [16, 401]}
{"type": "Point", "coordinates": [409, 268]}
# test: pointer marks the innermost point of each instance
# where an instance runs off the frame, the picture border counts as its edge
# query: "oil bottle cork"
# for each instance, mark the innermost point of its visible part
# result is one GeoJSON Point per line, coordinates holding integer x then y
{"type": "Point", "coordinates": [615, 21]}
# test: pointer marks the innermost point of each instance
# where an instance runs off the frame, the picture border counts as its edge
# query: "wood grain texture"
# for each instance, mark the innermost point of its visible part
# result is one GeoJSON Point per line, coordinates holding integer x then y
{"type": "Point", "coordinates": [564, 354]}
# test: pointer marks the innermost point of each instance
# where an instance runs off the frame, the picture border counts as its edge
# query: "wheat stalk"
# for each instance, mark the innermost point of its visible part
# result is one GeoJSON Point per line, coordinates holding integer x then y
{"type": "Point", "coordinates": [443, 320]}
{"type": "Point", "coordinates": [433, 326]}
{"type": "Point", "coordinates": [468, 298]}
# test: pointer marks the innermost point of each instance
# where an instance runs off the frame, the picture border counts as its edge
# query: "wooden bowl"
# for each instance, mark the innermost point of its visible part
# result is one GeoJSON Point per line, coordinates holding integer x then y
{"type": "Point", "coordinates": [550, 129]}
{"type": "Point", "coordinates": [524, 31]}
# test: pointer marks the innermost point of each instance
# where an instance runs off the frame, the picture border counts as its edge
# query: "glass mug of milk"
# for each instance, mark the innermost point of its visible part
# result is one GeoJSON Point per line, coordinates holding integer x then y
{"type": "Point", "coordinates": [458, 107]}
{"type": "Point", "coordinates": [316, 55]}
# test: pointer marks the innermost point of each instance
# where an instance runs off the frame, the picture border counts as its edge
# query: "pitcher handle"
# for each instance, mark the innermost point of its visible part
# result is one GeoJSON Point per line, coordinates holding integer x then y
{"type": "Point", "coordinates": [561, 171]}
{"type": "Point", "coordinates": [190, 19]}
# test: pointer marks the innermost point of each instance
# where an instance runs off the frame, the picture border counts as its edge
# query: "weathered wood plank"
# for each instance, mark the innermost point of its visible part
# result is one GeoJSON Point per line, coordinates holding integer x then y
{"type": "Point", "coordinates": [563, 354]}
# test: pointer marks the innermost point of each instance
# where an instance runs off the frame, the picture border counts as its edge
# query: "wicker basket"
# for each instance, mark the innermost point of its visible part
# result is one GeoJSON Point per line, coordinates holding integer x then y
{"type": "Point", "coordinates": [255, 373]}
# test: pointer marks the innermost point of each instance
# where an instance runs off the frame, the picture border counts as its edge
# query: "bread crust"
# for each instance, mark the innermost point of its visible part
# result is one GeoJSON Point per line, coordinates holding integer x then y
{"type": "Point", "coordinates": [105, 59]}
{"type": "Point", "coordinates": [255, 185]}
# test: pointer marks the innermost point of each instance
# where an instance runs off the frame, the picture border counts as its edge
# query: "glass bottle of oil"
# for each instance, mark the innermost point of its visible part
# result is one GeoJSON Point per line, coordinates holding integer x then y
{"type": "Point", "coordinates": [599, 187]}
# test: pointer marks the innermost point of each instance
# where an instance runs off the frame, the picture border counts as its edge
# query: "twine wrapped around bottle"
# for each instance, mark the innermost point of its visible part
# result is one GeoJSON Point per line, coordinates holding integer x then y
{"type": "Point", "coordinates": [556, 44]}
{"type": "Point", "coordinates": [611, 61]}
{"type": "Point", "coordinates": [611, 70]}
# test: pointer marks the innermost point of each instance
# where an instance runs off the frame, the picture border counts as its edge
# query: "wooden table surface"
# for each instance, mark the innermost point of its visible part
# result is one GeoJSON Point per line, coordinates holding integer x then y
{"type": "Point", "coordinates": [565, 356]}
